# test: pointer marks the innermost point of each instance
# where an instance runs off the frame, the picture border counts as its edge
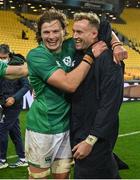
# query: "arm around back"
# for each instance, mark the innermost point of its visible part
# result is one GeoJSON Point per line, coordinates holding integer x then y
{"type": "Point", "coordinates": [44, 66]}
{"type": "Point", "coordinates": [69, 81]}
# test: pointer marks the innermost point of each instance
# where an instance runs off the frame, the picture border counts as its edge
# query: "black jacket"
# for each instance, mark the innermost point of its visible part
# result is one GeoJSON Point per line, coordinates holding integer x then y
{"type": "Point", "coordinates": [14, 88]}
{"type": "Point", "coordinates": [96, 103]}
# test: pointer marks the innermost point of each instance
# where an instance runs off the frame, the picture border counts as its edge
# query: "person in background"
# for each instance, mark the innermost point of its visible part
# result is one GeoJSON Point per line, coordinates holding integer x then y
{"type": "Point", "coordinates": [11, 96]}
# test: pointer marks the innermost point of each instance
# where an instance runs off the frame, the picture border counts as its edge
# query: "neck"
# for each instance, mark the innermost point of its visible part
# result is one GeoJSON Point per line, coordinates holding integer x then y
{"type": "Point", "coordinates": [94, 41]}
{"type": "Point", "coordinates": [56, 51]}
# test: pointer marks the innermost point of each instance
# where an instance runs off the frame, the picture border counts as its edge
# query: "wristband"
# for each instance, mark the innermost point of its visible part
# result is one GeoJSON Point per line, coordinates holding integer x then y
{"type": "Point", "coordinates": [115, 42]}
{"type": "Point", "coordinates": [119, 44]}
{"type": "Point", "coordinates": [91, 140]}
{"type": "Point", "coordinates": [87, 62]}
{"type": "Point", "coordinates": [88, 58]}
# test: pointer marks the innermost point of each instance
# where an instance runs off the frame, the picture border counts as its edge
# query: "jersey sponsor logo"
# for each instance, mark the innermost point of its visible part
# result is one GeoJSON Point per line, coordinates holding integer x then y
{"type": "Point", "coordinates": [67, 61]}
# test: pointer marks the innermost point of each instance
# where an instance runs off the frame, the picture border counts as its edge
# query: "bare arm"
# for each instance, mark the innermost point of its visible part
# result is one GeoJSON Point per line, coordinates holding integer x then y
{"type": "Point", "coordinates": [114, 38]}
{"type": "Point", "coordinates": [119, 52]}
{"type": "Point", "coordinates": [106, 34]}
{"type": "Point", "coordinates": [14, 72]}
{"type": "Point", "coordinates": [69, 81]}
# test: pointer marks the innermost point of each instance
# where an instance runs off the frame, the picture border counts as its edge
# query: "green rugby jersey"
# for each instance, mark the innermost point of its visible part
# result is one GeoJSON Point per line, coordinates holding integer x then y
{"type": "Point", "coordinates": [3, 67]}
{"type": "Point", "coordinates": [49, 112]}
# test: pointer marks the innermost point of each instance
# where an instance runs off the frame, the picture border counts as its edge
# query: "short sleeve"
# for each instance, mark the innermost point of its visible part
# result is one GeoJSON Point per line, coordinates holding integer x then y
{"type": "Point", "coordinates": [3, 67]}
{"type": "Point", "coordinates": [41, 64]}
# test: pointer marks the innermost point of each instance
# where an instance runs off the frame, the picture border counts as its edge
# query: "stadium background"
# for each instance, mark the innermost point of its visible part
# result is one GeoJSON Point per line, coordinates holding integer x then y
{"type": "Point", "coordinates": [18, 16]}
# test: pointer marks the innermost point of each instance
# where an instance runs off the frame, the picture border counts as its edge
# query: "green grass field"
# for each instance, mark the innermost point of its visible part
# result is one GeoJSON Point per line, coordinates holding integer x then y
{"type": "Point", "coordinates": [127, 147]}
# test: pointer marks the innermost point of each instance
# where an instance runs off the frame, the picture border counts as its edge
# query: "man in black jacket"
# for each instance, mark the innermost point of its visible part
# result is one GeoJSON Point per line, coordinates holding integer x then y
{"type": "Point", "coordinates": [11, 95]}
{"type": "Point", "coordinates": [95, 106]}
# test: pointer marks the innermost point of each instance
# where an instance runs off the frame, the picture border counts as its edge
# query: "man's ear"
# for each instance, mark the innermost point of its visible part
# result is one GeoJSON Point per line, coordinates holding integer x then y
{"type": "Point", "coordinates": [95, 34]}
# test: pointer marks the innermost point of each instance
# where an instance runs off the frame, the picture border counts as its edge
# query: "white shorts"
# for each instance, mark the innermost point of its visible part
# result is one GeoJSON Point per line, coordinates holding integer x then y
{"type": "Point", "coordinates": [41, 150]}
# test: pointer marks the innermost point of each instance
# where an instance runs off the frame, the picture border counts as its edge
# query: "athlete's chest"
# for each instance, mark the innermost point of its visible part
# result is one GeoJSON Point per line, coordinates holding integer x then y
{"type": "Point", "coordinates": [65, 60]}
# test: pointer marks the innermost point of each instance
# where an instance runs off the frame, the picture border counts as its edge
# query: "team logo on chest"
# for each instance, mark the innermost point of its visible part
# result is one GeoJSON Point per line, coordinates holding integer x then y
{"type": "Point", "coordinates": [67, 61]}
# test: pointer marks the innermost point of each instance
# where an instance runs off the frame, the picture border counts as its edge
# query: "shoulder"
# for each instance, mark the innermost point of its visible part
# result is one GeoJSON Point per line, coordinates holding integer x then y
{"type": "Point", "coordinates": [106, 56]}
{"type": "Point", "coordinates": [32, 52]}
{"type": "Point", "coordinates": [38, 53]}
{"type": "Point", "coordinates": [105, 60]}
{"type": "Point", "coordinates": [16, 60]}
{"type": "Point", "coordinates": [106, 63]}
{"type": "Point", "coordinates": [69, 43]}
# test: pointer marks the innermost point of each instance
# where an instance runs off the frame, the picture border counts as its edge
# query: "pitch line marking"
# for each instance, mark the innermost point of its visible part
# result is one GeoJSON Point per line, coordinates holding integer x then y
{"type": "Point", "coordinates": [129, 134]}
{"type": "Point", "coordinates": [121, 135]}
{"type": "Point", "coordinates": [11, 157]}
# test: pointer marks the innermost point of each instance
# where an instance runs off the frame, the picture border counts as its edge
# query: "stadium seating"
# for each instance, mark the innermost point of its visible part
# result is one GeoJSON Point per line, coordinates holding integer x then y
{"type": "Point", "coordinates": [32, 17]}
{"type": "Point", "coordinates": [11, 30]}
{"type": "Point", "coordinates": [131, 30]}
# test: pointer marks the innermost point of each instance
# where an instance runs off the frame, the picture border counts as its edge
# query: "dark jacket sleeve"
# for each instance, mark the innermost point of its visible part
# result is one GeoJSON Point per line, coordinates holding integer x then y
{"type": "Point", "coordinates": [105, 32]}
{"type": "Point", "coordinates": [24, 88]}
{"type": "Point", "coordinates": [110, 77]}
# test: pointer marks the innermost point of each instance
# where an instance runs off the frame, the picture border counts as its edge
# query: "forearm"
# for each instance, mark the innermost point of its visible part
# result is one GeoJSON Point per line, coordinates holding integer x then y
{"type": "Point", "coordinates": [76, 76]}
{"type": "Point", "coordinates": [106, 34]}
{"type": "Point", "coordinates": [15, 72]}
{"type": "Point", "coordinates": [24, 87]}
{"type": "Point", "coordinates": [19, 95]}
{"type": "Point", "coordinates": [69, 81]}
{"type": "Point", "coordinates": [114, 38]}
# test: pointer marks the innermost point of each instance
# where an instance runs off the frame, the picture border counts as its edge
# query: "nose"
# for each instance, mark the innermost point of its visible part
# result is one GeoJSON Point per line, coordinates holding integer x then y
{"type": "Point", "coordinates": [75, 35]}
{"type": "Point", "coordinates": [51, 35]}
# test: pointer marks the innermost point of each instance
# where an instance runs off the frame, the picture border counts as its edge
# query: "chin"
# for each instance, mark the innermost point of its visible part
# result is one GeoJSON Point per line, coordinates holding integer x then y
{"type": "Point", "coordinates": [53, 48]}
{"type": "Point", "coordinates": [78, 47]}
